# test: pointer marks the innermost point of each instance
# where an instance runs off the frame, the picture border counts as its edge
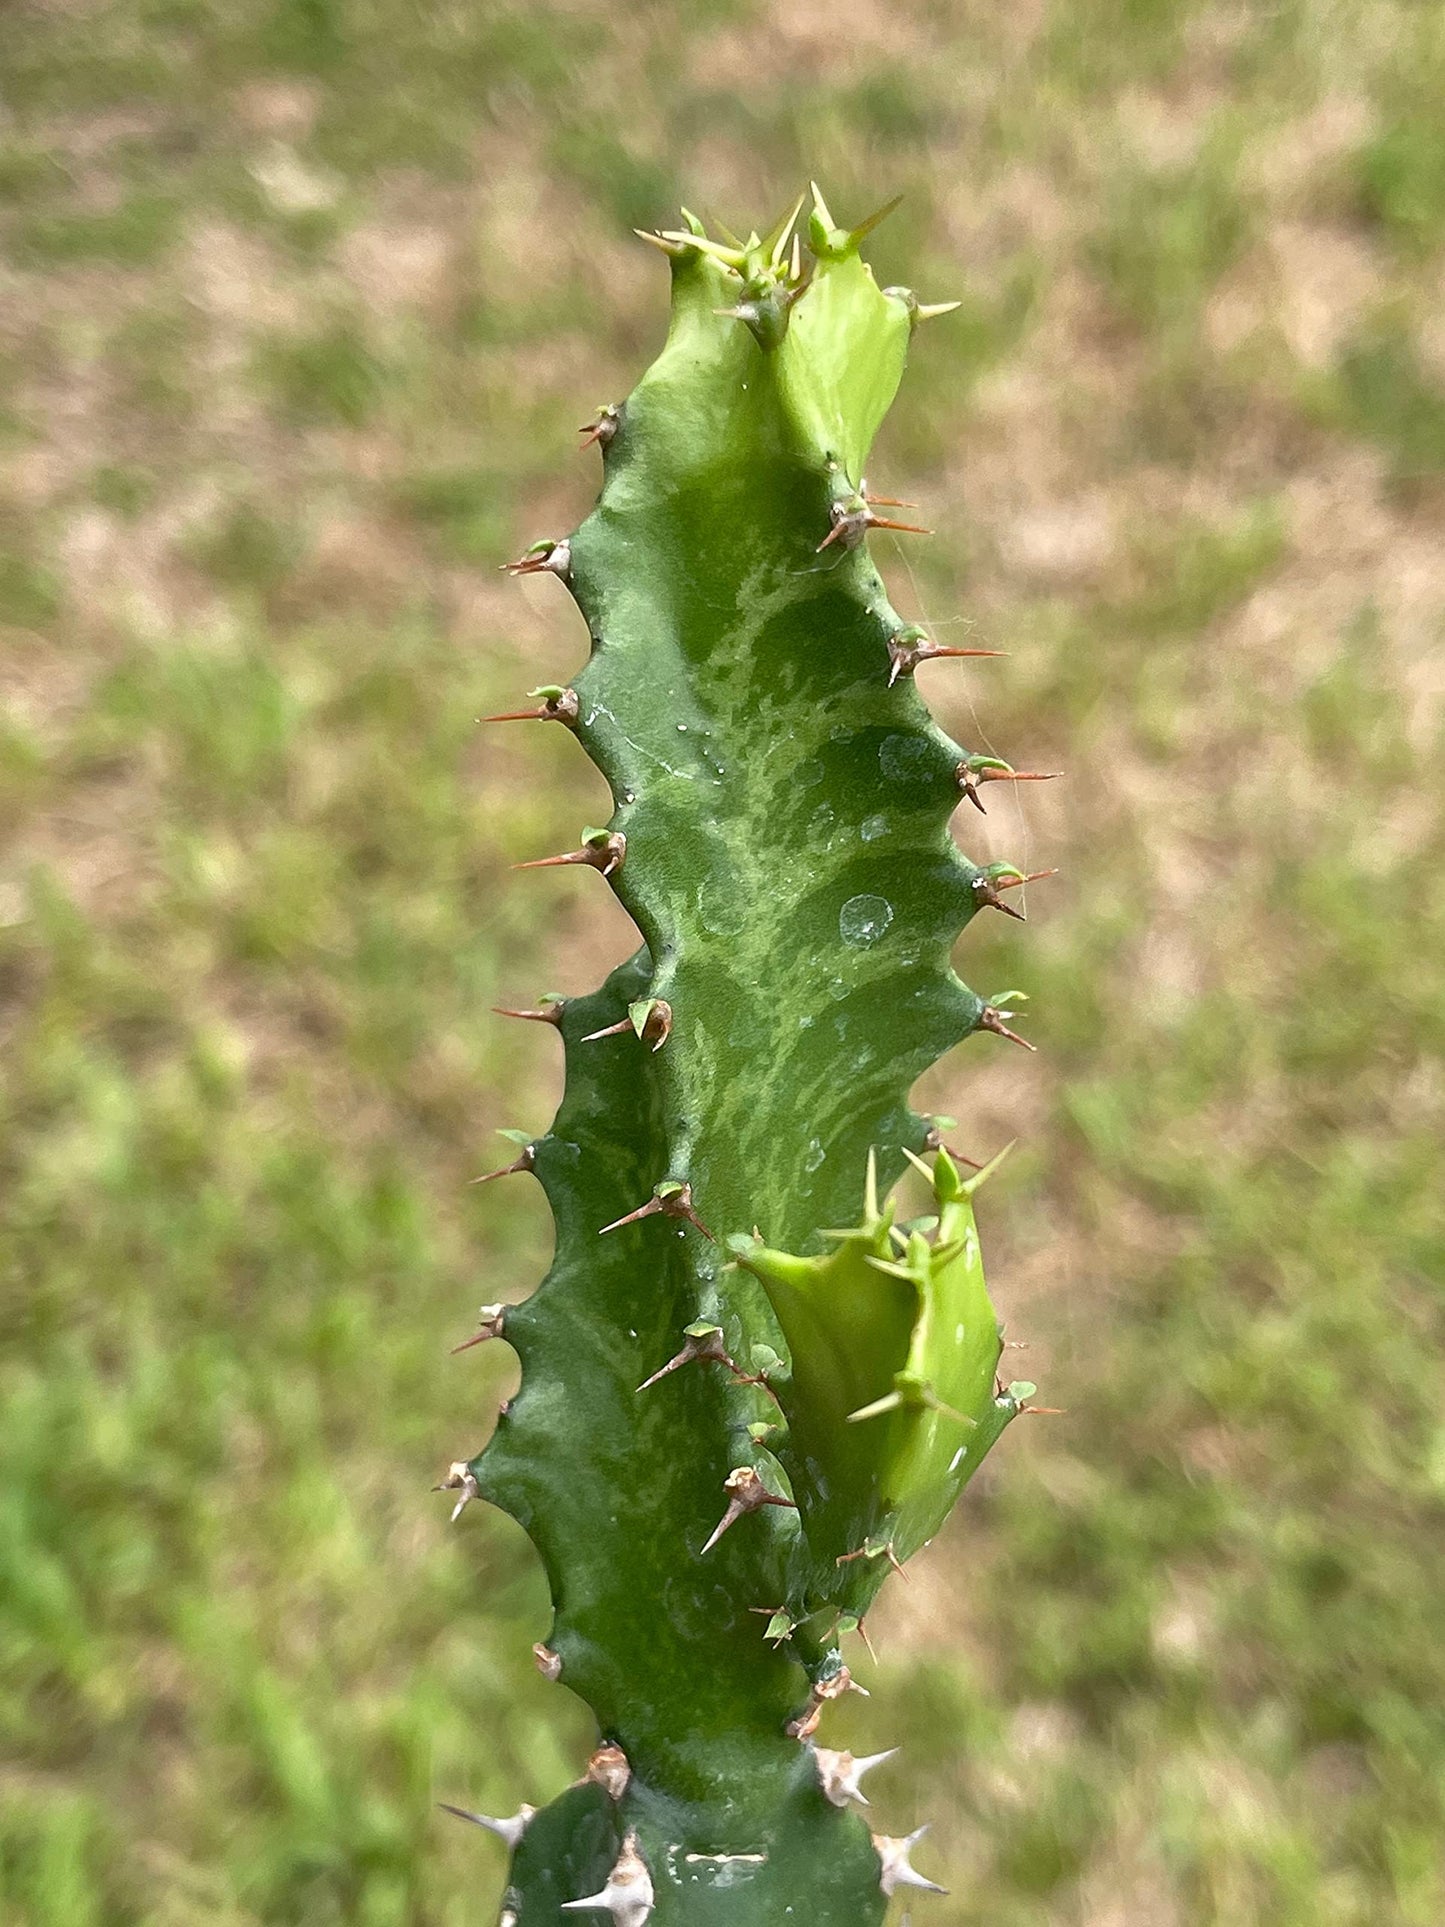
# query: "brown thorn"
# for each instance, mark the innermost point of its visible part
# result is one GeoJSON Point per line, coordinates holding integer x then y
{"type": "Point", "coordinates": [648, 1210]}
{"type": "Point", "coordinates": [526, 1162]}
{"type": "Point", "coordinates": [747, 1494]}
{"type": "Point", "coordinates": [838, 529]}
{"type": "Point", "coordinates": [863, 1635]}
{"type": "Point", "coordinates": [677, 1204]}
{"type": "Point", "coordinates": [546, 1014]}
{"type": "Point", "coordinates": [697, 1350]}
{"type": "Point", "coordinates": [908, 528]}
{"type": "Point", "coordinates": [607, 854]}
{"type": "Point", "coordinates": [493, 1319]}
{"type": "Point", "coordinates": [553, 862]}
{"type": "Point", "coordinates": [1013, 883]}
{"type": "Point", "coordinates": [1018, 775]}
{"type": "Point", "coordinates": [990, 1020]}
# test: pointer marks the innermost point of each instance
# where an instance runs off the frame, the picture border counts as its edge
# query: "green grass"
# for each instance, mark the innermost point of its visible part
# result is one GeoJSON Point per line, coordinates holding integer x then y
{"type": "Point", "coordinates": [1175, 1660]}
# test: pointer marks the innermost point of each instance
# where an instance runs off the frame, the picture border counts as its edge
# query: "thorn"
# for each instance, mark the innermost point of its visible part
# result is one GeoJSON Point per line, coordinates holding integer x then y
{"type": "Point", "coordinates": [921, 310]}
{"type": "Point", "coordinates": [852, 516]}
{"type": "Point", "coordinates": [601, 431]}
{"type": "Point", "coordinates": [897, 1870]}
{"type": "Point", "coordinates": [610, 1769]}
{"type": "Point", "coordinates": [557, 706]}
{"type": "Point", "coordinates": [672, 249]}
{"type": "Point", "coordinates": [703, 1342]}
{"type": "Point", "coordinates": [908, 1394]}
{"type": "Point", "coordinates": [872, 1549]}
{"type": "Point", "coordinates": [460, 1478]}
{"type": "Point", "coordinates": [823, 1690]}
{"type": "Point", "coordinates": [974, 770]}
{"type": "Point", "coordinates": [650, 1019]}
{"type": "Point", "coordinates": [608, 1030]}
{"type": "Point", "coordinates": [911, 647]}
{"type": "Point", "coordinates": [670, 1200]}
{"type": "Point", "coordinates": [628, 1895]}
{"type": "Point", "coordinates": [549, 1664]}
{"type": "Point", "coordinates": [747, 1493]}
{"type": "Point", "coordinates": [991, 1019]}
{"type": "Point", "coordinates": [839, 1773]}
{"type": "Point", "coordinates": [866, 226]}
{"type": "Point", "coordinates": [603, 850]}
{"type": "Point", "coordinates": [491, 1319]}
{"type": "Point", "coordinates": [527, 1161]}
{"type": "Point", "coordinates": [509, 1830]}
{"type": "Point", "coordinates": [548, 1012]}
{"type": "Point", "coordinates": [863, 1635]}
{"type": "Point", "coordinates": [550, 558]}
{"type": "Point", "coordinates": [997, 877]}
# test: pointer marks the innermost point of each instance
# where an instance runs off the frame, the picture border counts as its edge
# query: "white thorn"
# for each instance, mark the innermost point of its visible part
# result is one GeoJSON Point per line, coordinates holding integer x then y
{"type": "Point", "coordinates": [628, 1894]}
{"type": "Point", "coordinates": [460, 1478]}
{"type": "Point", "coordinates": [839, 1774]}
{"type": "Point", "coordinates": [509, 1830]}
{"type": "Point", "coordinates": [897, 1871]}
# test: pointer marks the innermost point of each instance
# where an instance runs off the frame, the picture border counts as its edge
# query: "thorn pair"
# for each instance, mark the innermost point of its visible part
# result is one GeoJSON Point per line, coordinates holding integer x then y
{"type": "Point", "coordinates": [1018, 1395]}
{"type": "Point", "coordinates": [460, 1478]}
{"type": "Point", "coordinates": [911, 646]}
{"type": "Point", "coordinates": [671, 1199]}
{"type": "Point", "coordinates": [823, 1690]}
{"type": "Point", "coordinates": [896, 1869]}
{"type": "Point", "coordinates": [993, 1017]}
{"type": "Point", "coordinates": [998, 877]}
{"type": "Point", "coordinates": [604, 850]}
{"type": "Point", "coordinates": [746, 1493]}
{"type": "Point", "coordinates": [558, 705]}
{"type": "Point", "coordinates": [852, 516]}
{"type": "Point", "coordinates": [543, 558]}
{"type": "Point", "coordinates": [490, 1322]}
{"type": "Point", "coordinates": [839, 1774]}
{"type": "Point", "coordinates": [874, 1549]}
{"type": "Point", "coordinates": [628, 1894]}
{"type": "Point", "coordinates": [650, 1019]}
{"type": "Point", "coordinates": [974, 770]}
{"type": "Point", "coordinates": [603, 428]}
{"type": "Point", "coordinates": [702, 1343]}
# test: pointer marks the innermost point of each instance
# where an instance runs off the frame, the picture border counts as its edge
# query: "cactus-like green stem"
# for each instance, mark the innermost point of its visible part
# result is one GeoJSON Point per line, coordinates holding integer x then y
{"type": "Point", "coordinates": [746, 1393]}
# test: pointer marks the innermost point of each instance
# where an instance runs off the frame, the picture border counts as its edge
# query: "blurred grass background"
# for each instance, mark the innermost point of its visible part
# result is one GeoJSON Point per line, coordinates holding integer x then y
{"type": "Point", "coordinates": [300, 303]}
